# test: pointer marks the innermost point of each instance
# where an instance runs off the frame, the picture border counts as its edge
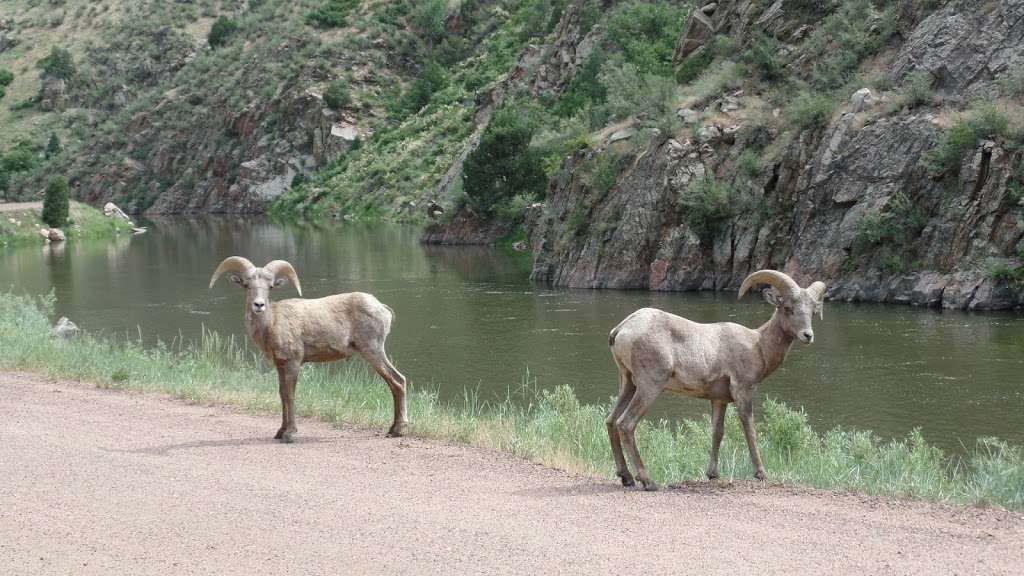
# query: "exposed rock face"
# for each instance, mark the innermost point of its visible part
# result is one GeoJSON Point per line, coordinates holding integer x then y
{"type": "Point", "coordinates": [966, 46]}
{"type": "Point", "coordinates": [466, 228]}
{"type": "Point", "coordinates": [809, 212]}
{"type": "Point", "coordinates": [232, 162]}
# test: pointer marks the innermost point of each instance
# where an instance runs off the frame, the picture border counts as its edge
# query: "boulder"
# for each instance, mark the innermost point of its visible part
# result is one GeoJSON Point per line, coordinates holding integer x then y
{"type": "Point", "coordinates": [65, 328]}
{"type": "Point", "coordinates": [56, 235]}
{"type": "Point", "coordinates": [112, 210]}
{"type": "Point", "coordinates": [862, 100]}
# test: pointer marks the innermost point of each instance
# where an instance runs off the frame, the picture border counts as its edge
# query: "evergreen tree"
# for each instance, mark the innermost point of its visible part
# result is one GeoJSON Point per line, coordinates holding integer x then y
{"type": "Point", "coordinates": [55, 204]}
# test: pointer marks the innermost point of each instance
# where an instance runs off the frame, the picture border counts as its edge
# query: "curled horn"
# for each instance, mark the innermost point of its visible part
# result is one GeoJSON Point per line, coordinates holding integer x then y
{"type": "Point", "coordinates": [817, 291]}
{"type": "Point", "coordinates": [231, 264]}
{"type": "Point", "coordinates": [783, 283]}
{"type": "Point", "coordinates": [283, 268]}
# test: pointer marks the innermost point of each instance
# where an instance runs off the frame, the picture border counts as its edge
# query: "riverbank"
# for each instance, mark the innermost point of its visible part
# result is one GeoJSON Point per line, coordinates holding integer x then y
{"type": "Point", "coordinates": [549, 427]}
{"type": "Point", "coordinates": [20, 223]}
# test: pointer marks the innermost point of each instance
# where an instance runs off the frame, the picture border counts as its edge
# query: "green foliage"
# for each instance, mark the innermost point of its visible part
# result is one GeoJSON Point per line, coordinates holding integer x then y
{"type": "Point", "coordinates": [428, 16]}
{"type": "Point", "coordinates": [19, 159]}
{"type": "Point", "coordinates": [917, 90]}
{"type": "Point", "coordinates": [221, 31]}
{"type": "Point", "coordinates": [892, 232]}
{"type": "Point", "coordinates": [810, 110]}
{"type": "Point", "coordinates": [988, 121]}
{"type": "Point", "coordinates": [696, 63]}
{"type": "Point", "coordinates": [53, 146]}
{"type": "Point", "coordinates": [601, 172]}
{"type": "Point", "coordinates": [1011, 274]}
{"type": "Point", "coordinates": [646, 32]}
{"type": "Point", "coordinates": [584, 88]}
{"type": "Point", "coordinates": [845, 38]}
{"type": "Point", "coordinates": [332, 13]}
{"type": "Point", "coordinates": [6, 77]}
{"type": "Point", "coordinates": [337, 96]}
{"type": "Point", "coordinates": [58, 64]}
{"type": "Point", "coordinates": [431, 79]}
{"type": "Point", "coordinates": [503, 165]}
{"type": "Point", "coordinates": [631, 92]}
{"type": "Point", "coordinates": [765, 56]}
{"type": "Point", "coordinates": [749, 163]}
{"type": "Point", "coordinates": [55, 203]}
{"type": "Point", "coordinates": [1011, 83]}
{"type": "Point", "coordinates": [707, 205]}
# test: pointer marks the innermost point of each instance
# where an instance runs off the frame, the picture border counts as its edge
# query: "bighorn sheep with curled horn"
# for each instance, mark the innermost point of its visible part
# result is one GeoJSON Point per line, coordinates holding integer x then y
{"type": "Point", "coordinates": [293, 332]}
{"type": "Point", "coordinates": [722, 362]}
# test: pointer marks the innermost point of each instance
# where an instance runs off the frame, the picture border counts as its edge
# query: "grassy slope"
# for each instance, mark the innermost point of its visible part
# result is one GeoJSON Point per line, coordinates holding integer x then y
{"type": "Point", "coordinates": [22, 227]}
{"type": "Point", "coordinates": [550, 427]}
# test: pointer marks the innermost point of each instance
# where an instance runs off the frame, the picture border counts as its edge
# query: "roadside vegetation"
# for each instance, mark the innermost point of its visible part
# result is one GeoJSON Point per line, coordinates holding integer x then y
{"type": "Point", "coordinates": [83, 222]}
{"type": "Point", "coordinates": [547, 426]}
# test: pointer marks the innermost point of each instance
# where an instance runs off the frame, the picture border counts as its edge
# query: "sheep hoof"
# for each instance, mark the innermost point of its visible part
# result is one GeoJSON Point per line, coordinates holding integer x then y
{"type": "Point", "coordinates": [627, 480]}
{"type": "Point", "coordinates": [760, 475]}
{"type": "Point", "coordinates": [712, 475]}
{"type": "Point", "coordinates": [396, 431]}
{"type": "Point", "coordinates": [649, 485]}
{"type": "Point", "coordinates": [286, 439]}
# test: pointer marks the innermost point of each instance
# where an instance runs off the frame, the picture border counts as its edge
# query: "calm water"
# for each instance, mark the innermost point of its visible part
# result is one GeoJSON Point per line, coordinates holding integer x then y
{"type": "Point", "coordinates": [469, 318]}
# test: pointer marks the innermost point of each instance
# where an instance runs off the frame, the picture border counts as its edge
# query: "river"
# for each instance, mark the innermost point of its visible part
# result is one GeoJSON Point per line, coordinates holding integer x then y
{"type": "Point", "coordinates": [468, 318]}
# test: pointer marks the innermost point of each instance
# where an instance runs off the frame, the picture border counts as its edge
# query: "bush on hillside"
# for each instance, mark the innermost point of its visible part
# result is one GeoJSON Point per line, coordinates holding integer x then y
{"type": "Point", "coordinates": [6, 77]}
{"type": "Point", "coordinates": [430, 80]}
{"type": "Point", "coordinates": [503, 165]}
{"type": "Point", "coordinates": [987, 122]}
{"type": "Point", "coordinates": [58, 64]}
{"type": "Point", "coordinates": [332, 13]}
{"type": "Point", "coordinates": [706, 206]}
{"type": "Point", "coordinates": [223, 29]}
{"type": "Point", "coordinates": [55, 204]}
{"type": "Point", "coordinates": [647, 33]}
{"type": "Point", "coordinates": [337, 96]}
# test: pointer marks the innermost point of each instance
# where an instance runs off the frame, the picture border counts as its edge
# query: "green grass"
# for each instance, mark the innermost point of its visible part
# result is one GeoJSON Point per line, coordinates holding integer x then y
{"type": "Point", "coordinates": [84, 223]}
{"type": "Point", "coordinates": [548, 426]}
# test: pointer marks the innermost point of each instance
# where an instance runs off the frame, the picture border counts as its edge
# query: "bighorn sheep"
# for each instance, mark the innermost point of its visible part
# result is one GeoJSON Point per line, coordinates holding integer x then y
{"type": "Point", "coordinates": [293, 332]}
{"type": "Point", "coordinates": [722, 362]}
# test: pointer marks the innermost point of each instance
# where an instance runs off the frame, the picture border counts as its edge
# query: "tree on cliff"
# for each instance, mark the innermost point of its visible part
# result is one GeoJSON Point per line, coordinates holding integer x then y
{"type": "Point", "coordinates": [503, 165]}
{"type": "Point", "coordinates": [55, 204]}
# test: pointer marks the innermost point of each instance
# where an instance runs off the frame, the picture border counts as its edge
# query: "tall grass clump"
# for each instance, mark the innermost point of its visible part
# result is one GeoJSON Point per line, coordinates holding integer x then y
{"type": "Point", "coordinates": [548, 426]}
{"type": "Point", "coordinates": [988, 121]}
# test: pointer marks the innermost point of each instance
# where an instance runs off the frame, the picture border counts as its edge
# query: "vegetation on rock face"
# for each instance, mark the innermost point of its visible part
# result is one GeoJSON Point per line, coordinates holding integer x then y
{"type": "Point", "coordinates": [221, 32]}
{"type": "Point", "coordinates": [59, 63]}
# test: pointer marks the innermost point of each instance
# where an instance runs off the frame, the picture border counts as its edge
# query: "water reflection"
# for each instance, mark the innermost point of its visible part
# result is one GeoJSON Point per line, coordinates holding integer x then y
{"type": "Point", "coordinates": [468, 318]}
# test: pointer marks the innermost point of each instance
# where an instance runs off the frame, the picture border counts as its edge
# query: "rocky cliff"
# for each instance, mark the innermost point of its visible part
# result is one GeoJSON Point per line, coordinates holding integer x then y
{"type": "Point", "coordinates": [857, 199]}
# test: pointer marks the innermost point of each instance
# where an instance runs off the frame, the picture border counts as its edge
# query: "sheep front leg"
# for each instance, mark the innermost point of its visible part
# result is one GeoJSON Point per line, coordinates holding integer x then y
{"type": "Point", "coordinates": [745, 409]}
{"type": "Point", "coordinates": [287, 378]}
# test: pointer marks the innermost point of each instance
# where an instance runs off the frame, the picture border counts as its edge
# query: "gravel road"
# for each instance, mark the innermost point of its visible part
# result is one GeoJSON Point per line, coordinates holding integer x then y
{"type": "Point", "coordinates": [100, 482]}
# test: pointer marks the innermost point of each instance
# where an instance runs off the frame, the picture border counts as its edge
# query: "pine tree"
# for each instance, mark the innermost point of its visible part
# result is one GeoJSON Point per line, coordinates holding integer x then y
{"type": "Point", "coordinates": [55, 204]}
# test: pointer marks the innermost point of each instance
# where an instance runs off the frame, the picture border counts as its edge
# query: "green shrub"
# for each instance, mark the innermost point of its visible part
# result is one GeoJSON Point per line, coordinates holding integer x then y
{"type": "Point", "coordinates": [221, 31]}
{"type": "Point", "coordinates": [332, 13]}
{"type": "Point", "coordinates": [503, 165]}
{"type": "Point", "coordinates": [706, 205]}
{"type": "Point", "coordinates": [844, 39]}
{"type": "Point", "coordinates": [896, 226]}
{"type": "Point", "coordinates": [765, 57]}
{"type": "Point", "coordinates": [336, 96]}
{"type": "Point", "coordinates": [694, 65]}
{"type": "Point", "coordinates": [58, 64]}
{"type": "Point", "coordinates": [631, 92]}
{"type": "Point", "coordinates": [428, 16]}
{"type": "Point", "coordinates": [647, 33]}
{"type": "Point", "coordinates": [55, 204]}
{"type": "Point", "coordinates": [917, 90]}
{"type": "Point", "coordinates": [6, 77]}
{"type": "Point", "coordinates": [53, 146]}
{"type": "Point", "coordinates": [988, 121]}
{"type": "Point", "coordinates": [810, 110]}
{"type": "Point", "coordinates": [749, 163]}
{"type": "Point", "coordinates": [430, 80]}
{"type": "Point", "coordinates": [584, 88]}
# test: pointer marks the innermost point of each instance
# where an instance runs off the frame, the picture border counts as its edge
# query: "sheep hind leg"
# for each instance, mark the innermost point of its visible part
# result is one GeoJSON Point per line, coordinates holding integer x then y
{"type": "Point", "coordinates": [717, 431]}
{"type": "Point", "coordinates": [642, 400]}
{"type": "Point", "coordinates": [397, 383]}
{"type": "Point", "coordinates": [287, 376]}
{"type": "Point", "coordinates": [626, 391]}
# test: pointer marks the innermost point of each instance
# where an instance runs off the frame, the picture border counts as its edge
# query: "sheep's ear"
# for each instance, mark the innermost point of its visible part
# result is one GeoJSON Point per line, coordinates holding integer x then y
{"type": "Point", "coordinates": [772, 297]}
{"type": "Point", "coordinates": [280, 281]}
{"type": "Point", "coordinates": [236, 279]}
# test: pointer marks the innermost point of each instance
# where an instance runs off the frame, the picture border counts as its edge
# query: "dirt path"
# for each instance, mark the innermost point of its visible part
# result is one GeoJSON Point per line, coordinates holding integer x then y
{"type": "Point", "coordinates": [97, 482]}
{"type": "Point", "coordinates": [19, 206]}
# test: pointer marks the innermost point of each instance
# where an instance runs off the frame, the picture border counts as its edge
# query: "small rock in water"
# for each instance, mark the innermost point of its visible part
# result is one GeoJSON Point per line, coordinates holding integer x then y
{"type": "Point", "coordinates": [65, 328]}
{"type": "Point", "coordinates": [56, 235]}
